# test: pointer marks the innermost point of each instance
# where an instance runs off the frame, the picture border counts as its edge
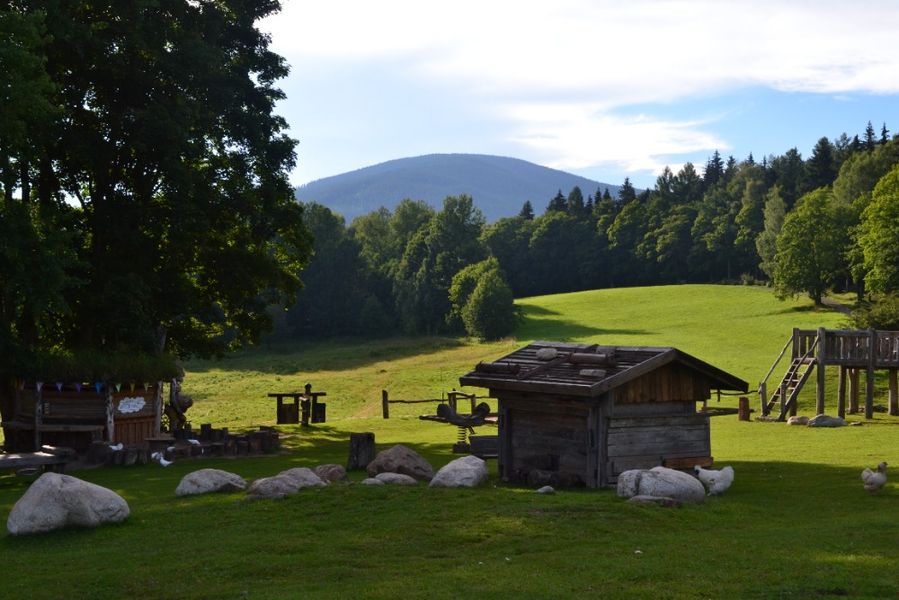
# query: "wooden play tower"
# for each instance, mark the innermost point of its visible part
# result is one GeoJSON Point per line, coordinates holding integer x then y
{"type": "Point", "coordinates": [852, 351]}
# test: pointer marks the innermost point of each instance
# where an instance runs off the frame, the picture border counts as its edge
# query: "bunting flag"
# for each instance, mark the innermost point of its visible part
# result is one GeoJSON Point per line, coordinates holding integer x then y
{"type": "Point", "coordinates": [131, 385]}
{"type": "Point", "coordinates": [78, 387]}
{"type": "Point", "coordinates": [98, 386]}
{"type": "Point", "coordinates": [118, 387]}
{"type": "Point", "coordinates": [58, 386]}
{"type": "Point", "coordinates": [146, 386]}
{"type": "Point", "coordinates": [21, 383]}
{"type": "Point", "coordinates": [39, 385]}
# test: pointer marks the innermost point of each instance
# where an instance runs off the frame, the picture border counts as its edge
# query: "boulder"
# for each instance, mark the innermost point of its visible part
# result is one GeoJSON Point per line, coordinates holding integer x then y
{"type": "Point", "coordinates": [372, 481]}
{"type": "Point", "coordinates": [661, 481]}
{"type": "Point", "coordinates": [55, 501]}
{"type": "Point", "coordinates": [284, 483]}
{"type": "Point", "coordinates": [796, 420]}
{"type": "Point", "coordinates": [664, 501]}
{"type": "Point", "coordinates": [304, 477]}
{"type": "Point", "coordinates": [401, 459]}
{"type": "Point", "coordinates": [468, 471]}
{"type": "Point", "coordinates": [330, 473]}
{"type": "Point", "coordinates": [396, 479]}
{"type": "Point", "coordinates": [206, 481]}
{"type": "Point", "coordinates": [271, 488]}
{"type": "Point", "coordinates": [826, 421]}
{"type": "Point", "coordinates": [546, 489]}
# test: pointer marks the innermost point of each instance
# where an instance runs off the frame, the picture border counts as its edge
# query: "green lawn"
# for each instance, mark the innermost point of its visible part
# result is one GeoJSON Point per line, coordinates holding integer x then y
{"type": "Point", "coordinates": [796, 522]}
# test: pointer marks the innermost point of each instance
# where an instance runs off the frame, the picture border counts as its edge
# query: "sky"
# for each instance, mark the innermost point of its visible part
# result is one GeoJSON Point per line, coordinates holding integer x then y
{"type": "Point", "coordinates": [602, 89]}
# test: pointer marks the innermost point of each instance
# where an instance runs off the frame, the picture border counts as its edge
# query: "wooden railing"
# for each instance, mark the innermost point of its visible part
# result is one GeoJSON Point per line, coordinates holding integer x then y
{"type": "Point", "coordinates": [851, 347]}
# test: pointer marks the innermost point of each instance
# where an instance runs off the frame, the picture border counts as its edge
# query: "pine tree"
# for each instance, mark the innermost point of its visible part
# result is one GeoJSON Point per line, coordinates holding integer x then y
{"type": "Point", "coordinates": [869, 136]}
{"type": "Point", "coordinates": [627, 193]}
{"type": "Point", "coordinates": [821, 168]}
{"type": "Point", "coordinates": [527, 211]}
{"type": "Point", "coordinates": [558, 203]}
{"type": "Point", "coordinates": [714, 170]}
{"type": "Point", "coordinates": [575, 202]}
{"type": "Point", "coordinates": [606, 195]}
{"type": "Point", "coordinates": [884, 134]}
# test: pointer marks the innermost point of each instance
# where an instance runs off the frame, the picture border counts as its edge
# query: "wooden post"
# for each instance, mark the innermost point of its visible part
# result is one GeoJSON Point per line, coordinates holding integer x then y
{"type": "Point", "coordinates": [795, 352]}
{"type": "Point", "coordinates": [763, 395]}
{"type": "Point", "coordinates": [38, 416]}
{"type": "Point", "coordinates": [362, 450]}
{"type": "Point", "coordinates": [385, 404]}
{"type": "Point", "coordinates": [894, 393]}
{"type": "Point", "coordinates": [591, 478]}
{"type": "Point", "coordinates": [853, 390]}
{"type": "Point", "coordinates": [841, 393]}
{"type": "Point", "coordinates": [451, 400]}
{"type": "Point", "coordinates": [474, 399]}
{"type": "Point", "coordinates": [504, 460]}
{"type": "Point", "coordinates": [783, 396]}
{"type": "Point", "coordinates": [110, 416]}
{"type": "Point", "coordinates": [819, 388]}
{"type": "Point", "coordinates": [743, 410]}
{"type": "Point", "coordinates": [869, 376]}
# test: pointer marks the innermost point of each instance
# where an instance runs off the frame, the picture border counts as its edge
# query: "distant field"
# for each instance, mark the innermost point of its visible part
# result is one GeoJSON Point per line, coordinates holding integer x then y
{"type": "Point", "coordinates": [796, 522]}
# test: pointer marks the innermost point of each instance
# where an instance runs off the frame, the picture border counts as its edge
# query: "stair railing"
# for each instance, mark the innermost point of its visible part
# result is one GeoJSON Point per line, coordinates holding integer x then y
{"type": "Point", "coordinates": [803, 360]}
{"type": "Point", "coordinates": [763, 385]}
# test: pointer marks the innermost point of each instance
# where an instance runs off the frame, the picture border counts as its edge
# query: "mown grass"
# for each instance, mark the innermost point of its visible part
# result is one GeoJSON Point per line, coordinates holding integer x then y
{"type": "Point", "coordinates": [796, 523]}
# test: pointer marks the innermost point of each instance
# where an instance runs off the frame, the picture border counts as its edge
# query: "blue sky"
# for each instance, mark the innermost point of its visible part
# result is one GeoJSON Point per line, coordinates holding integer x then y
{"type": "Point", "coordinates": [601, 89]}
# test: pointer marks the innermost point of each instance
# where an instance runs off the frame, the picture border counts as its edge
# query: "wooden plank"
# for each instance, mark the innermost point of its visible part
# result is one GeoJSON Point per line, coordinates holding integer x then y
{"type": "Point", "coordinates": [894, 393]}
{"type": "Point", "coordinates": [869, 377]}
{"type": "Point", "coordinates": [660, 421]}
{"type": "Point", "coordinates": [841, 392]}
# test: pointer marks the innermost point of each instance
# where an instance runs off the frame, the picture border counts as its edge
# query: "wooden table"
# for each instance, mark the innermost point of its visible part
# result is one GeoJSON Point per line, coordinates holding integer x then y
{"type": "Point", "coordinates": [305, 406]}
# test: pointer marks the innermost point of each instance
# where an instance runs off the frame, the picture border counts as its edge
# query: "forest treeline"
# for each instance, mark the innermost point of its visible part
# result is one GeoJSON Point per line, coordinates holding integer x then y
{"type": "Point", "coordinates": [802, 225]}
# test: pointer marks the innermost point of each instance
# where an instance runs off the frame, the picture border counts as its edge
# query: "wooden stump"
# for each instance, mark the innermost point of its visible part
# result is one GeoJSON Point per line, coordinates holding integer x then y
{"type": "Point", "coordinates": [362, 450]}
{"type": "Point", "coordinates": [743, 409]}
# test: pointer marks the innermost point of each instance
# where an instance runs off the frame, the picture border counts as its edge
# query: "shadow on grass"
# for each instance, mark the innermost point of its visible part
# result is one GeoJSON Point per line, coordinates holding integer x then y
{"type": "Point", "coordinates": [532, 309]}
{"type": "Point", "coordinates": [563, 331]}
{"type": "Point", "coordinates": [286, 358]}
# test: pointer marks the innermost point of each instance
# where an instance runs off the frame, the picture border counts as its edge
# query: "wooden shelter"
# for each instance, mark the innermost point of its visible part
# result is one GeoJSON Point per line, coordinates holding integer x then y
{"type": "Point", "coordinates": [574, 414]}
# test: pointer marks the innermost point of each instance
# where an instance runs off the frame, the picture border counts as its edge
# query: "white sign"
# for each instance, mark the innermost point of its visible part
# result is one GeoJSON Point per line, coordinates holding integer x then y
{"type": "Point", "coordinates": [131, 405]}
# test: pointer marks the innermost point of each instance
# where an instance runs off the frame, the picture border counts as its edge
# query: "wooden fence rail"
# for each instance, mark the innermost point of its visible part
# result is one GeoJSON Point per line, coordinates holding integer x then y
{"type": "Point", "coordinates": [452, 399]}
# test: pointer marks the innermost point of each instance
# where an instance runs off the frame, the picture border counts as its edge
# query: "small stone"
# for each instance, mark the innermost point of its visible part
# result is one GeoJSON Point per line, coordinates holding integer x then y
{"type": "Point", "coordinates": [372, 481]}
{"type": "Point", "coordinates": [546, 489]}
{"type": "Point", "coordinates": [826, 421]}
{"type": "Point", "coordinates": [547, 353]}
{"type": "Point", "coordinates": [396, 479]}
{"type": "Point", "coordinates": [205, 481]}
{"type": "Point", "coordinates": [796, 420]}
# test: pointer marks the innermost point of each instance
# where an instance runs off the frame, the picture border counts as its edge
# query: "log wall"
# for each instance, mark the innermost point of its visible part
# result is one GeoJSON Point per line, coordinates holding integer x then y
{"type": "Point", "coordinates": [646, 442]}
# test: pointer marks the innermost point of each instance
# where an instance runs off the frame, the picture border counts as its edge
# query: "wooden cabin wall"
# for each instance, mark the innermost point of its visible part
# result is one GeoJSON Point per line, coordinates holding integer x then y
{"type": "Point", "coordinates": [645, 442]}
{"type": "Point", "coordinates": [669, 383]}
{"type": "Point", "coordinates": [544, 433]}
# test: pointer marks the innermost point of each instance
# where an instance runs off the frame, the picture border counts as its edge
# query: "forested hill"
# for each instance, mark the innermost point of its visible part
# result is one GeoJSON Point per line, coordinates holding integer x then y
{"type": "Point", "coordinates": [499, 185]}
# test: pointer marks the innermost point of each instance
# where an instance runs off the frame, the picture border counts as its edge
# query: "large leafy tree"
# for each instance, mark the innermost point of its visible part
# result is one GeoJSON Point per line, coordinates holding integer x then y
{"type": "Point", "coordinates": [808, 248]}
{"type": "Point", "coordinates": [879, 235]}
{"type": "Point", "coordinates": [450, 241]}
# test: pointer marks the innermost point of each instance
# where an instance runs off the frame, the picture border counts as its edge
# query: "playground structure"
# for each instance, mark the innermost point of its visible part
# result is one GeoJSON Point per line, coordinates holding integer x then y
{"type": "Point", "coordinates": [852, 351]}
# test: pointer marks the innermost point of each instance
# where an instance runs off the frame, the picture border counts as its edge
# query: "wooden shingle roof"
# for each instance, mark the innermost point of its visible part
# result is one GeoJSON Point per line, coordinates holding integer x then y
{"type": "Point", "coordinates": [573, 371]}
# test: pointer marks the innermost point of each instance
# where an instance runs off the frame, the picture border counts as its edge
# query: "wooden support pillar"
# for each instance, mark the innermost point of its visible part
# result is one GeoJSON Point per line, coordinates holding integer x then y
{"type": "Point", "coordinates": [869, 375]}
{"type": "Point", "coordinates": [841, 393]}
{"type": "Point", "coordinates": [853, 390]}
{"type": "Point", "coordinates": [894, 393]}
{"type": "Point", "coordinates": [385, 404]}
{"type": "Point", "coordinates": [504, 460]}
{"type": "Point", "coordinates": [743, 408]}
{"type": "Point", "coordinates": [763, 396]}
{"type": "Point", "coordinates": [821, 355]}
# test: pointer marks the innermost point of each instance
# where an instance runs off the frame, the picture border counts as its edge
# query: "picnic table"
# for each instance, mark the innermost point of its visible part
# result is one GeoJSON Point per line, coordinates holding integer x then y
{"type": "Point", "coordinates": [305, 406]}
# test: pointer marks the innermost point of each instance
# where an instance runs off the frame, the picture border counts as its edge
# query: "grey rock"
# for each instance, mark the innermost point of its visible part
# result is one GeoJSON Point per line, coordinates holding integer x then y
{"type": "Point", "coordinates": [401, 459]}
{"type": "Point", "coordinates": [396, 479]}
{"type": "Point", "coordinates": [468, 471]}
{"type": "Point", "coordinates": [55, 501]}
{"type": "Point", "coordinates": [272, 488]}
{"type": "Point", "coordinates": [826, 421]}
{"type": "Point", "coordinates": [661, 481]}
{"type": "Point", "coordinates": [655, 501]}
{"type": "Point", "coordinates": [330, 473]}
{"type": "Point", "coordinates": [206, 481]}
{"type": "Point", "coordinates": [304, 477]}
{"type": "Point", "coordinates": [546, 489]}
{"type": "Point", "coordinates": [372, 481]}
{"type": "Point", "coordinates": [803, 420]}
{"type": "Point", "coordinates": [547, 353]}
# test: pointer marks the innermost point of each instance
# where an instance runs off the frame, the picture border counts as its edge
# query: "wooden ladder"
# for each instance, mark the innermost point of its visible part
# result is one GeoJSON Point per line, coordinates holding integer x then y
{"type": "Point", "coordinates": [797, 374]}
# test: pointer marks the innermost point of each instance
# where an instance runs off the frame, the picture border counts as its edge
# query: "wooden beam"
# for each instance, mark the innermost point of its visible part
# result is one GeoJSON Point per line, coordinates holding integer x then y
{"type": "Point", "coordinates": [894, 393]}
{"type": "Point", "coordinates": [819, 388]}
{"type": "Point", "coordinates": [869, 375]}
{"type": "Point", "coordinates": [853, 390]}
{"type": "Point", "coordinates": [841, 393]}
{"type": "Point", "coordinates": [385, 404]}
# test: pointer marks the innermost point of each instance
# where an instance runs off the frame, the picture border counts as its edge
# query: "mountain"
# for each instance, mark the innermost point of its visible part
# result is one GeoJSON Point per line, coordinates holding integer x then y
{"type": "Point", "coordinates": [498, 184]}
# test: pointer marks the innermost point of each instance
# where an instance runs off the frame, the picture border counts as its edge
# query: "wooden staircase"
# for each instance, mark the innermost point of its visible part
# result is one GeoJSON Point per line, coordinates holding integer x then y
{"type": "Point", "coordinates": [797, 374]}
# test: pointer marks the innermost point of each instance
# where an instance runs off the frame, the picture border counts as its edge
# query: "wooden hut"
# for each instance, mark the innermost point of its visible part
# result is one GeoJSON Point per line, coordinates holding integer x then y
{"type": "Point", "coordinates": [573, 414]}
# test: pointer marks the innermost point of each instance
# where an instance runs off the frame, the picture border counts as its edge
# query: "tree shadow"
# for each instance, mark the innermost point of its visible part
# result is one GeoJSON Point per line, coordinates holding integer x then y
{"type": "Point", "coordinates": [563, 330]}
{"type": "Point", "coordinates": [283, 358]}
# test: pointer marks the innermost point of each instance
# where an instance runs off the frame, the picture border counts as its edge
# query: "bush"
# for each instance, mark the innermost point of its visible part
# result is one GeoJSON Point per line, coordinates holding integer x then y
{"type": "Point", "coordinates": [489, 313]}
{"type": "Point", "coordinates": [882, 312]}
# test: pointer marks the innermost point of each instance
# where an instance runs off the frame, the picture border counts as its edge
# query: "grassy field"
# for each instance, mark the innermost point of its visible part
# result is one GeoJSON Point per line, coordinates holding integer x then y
{"type": "Point", "coordinates": [796, 522]}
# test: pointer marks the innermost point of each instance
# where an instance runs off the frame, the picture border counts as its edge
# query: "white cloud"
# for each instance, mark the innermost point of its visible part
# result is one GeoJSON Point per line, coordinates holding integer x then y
{"type": "Point", "coordinates": [556, 71]}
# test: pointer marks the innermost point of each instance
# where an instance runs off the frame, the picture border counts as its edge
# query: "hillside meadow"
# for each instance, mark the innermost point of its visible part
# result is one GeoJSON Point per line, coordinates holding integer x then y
{"type": "Point", "coordinates": [796, 522]}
